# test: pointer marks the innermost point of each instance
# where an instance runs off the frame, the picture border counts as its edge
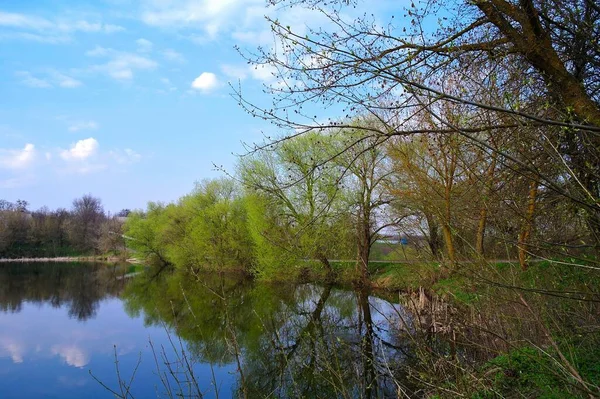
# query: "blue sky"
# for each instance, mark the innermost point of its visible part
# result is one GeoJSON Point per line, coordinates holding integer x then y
{"type": "Point", "coordinates": [127, 100]}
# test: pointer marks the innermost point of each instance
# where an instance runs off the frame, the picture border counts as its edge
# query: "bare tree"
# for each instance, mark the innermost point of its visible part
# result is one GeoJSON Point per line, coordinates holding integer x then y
{"type": "Point", "coordinates": [541, 55]}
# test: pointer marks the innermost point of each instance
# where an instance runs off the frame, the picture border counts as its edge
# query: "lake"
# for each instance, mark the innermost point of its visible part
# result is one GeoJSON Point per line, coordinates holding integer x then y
{"type": "Point", "coordinates": [82, 330]}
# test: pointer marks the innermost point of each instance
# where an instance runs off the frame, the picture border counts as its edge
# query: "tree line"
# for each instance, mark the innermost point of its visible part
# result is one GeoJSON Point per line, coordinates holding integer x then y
{"type": "Point", "coordinates": [313, 199]}
{"type": "Point", "coordinates": [84, 229]}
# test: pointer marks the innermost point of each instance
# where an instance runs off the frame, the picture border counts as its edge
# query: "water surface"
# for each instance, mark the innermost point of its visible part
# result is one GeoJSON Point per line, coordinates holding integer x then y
{"type": "Point", "coordinates": [199, 335]}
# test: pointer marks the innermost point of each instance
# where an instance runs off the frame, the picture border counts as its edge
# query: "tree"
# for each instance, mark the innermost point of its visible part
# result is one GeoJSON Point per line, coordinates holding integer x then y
{"type": "Point", "coordinates": [541, 55]}
{"type": "Point", "coordinates": [87, 216]}
{"type": "Point", "coordinates": [123, 213]}
{"type": "Point", "coordinates": [365, 166]}
{"type": "Point", "coordinates": [304, 195]}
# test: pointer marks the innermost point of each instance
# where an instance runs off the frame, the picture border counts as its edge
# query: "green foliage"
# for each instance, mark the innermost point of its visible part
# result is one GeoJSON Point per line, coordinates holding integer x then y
{"type": "Point", "coordinates": [207, 228]}
{"type": "Point", "coordinates": [297, 208]}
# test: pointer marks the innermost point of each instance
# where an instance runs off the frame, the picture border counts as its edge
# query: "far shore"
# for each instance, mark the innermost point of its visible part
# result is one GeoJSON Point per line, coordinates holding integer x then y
{"type": "Point", "coordinates": [70, 259]}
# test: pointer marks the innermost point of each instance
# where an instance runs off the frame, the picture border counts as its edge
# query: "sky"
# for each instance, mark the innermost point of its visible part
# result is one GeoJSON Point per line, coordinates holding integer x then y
{"type": "Point", "coordinates": [128, 100]}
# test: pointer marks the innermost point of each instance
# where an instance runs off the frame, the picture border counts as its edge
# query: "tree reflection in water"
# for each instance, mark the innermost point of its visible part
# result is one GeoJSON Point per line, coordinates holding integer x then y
{"type": "Point", "coordinates": [290, 341]}
{"type": "Point", "coordinates": [78, 286]}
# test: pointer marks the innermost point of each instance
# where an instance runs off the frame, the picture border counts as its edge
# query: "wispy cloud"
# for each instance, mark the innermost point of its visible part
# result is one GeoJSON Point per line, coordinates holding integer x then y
{"type": "Point", "coordinates": [65, 81]}
{"type": "Point", "coordinates": [125, 157]}
{"type": "Point", "coordinates": [50, 79]}
{"type": "Point", "coordinates": [17, 182]}
{"type": "Point", "coordinates": [53, 31]}
{"type": "Point", "coordinates": [173, 56]}
{"type": "Point", "coordinates": [82, 125]}
{"type": "Point", "coordinates": [210, 16]}
{"type": "Point", "coordinates": [120, 65]}
{"type": "Point", "coordinates": [263, 73]}
{"type": "Point", "coordinates": [235, 71]}
{"type": "Point", "coordinates": [29, 80]}
{"type": "Point", "coordinates": [144, 45]}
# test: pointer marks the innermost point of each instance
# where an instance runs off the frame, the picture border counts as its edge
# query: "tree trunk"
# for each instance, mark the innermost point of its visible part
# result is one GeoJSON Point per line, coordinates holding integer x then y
{"type": "Point", "coordinates": [434, 235]}
{"type": "Point", "coordinates": [364, 249]}
{"type": "Point", "coordinates": [447, 231]}
{"type": "Point", "coordinates": [527, 225]}
{"type": "Point", "coordinates": [325, 262]}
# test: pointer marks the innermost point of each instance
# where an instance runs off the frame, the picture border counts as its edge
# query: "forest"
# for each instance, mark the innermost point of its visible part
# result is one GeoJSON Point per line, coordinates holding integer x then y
{"type": "Point", "coordinates": [85, 229]}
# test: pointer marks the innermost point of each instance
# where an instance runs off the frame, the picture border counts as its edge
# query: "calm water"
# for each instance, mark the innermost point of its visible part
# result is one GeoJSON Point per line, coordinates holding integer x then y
{"type": "Point", "coordinates": [197, 335]}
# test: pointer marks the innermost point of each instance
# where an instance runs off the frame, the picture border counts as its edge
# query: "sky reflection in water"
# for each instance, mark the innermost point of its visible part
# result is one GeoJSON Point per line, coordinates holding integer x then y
{"type": "Point", "coordinates": [50, 340]}
{"type": "Point", "coordinates": [59, 322]}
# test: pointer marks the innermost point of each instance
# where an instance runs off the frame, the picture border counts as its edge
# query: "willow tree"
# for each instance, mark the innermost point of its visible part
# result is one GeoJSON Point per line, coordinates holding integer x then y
{"type": "Point", "coordinates": [303, 190]}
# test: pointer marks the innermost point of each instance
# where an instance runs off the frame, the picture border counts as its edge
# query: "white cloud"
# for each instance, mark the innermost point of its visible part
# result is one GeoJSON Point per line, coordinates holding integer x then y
{"type": "Point", "coordinates": [17, 159]}
{"type": "Point", "coordinates": [32, 27]}
{"type": "Point", "coordinates": [121, 65]}
{"type": "Point", "coordinates": [211, 16]}
{"type": "Point", "coordinates": [206, 82]}
{"type": "Point", "coordinates": [83, 125]}
{"type": "Point", "coordinates": [144, 45]}
{"type": "Point", "coordinates": [71, 354]}
{"type": "Point", "coordinates": [81, 150]}
{"type": "Point", "coordinates": [12, 348]}
{"type": "Point", "coordinates": [173, 56]}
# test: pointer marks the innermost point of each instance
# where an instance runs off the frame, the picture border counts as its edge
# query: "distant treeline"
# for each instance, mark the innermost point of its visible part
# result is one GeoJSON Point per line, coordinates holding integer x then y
{"type": "Point", "coordinates": [85, 229]}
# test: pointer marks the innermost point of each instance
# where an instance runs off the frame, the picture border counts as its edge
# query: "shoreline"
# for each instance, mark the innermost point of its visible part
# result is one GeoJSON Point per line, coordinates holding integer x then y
{"type": "Point", "coordinates": [67, 259]}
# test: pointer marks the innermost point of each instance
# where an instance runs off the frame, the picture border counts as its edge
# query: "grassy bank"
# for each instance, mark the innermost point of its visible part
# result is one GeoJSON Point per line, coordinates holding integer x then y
{"type": "Point", "coordinates": [535, 331]}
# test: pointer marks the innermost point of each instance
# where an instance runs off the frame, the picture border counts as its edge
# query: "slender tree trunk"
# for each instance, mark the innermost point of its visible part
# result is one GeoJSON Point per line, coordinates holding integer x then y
{"type": "Point", "coordinates": [446, 229]}
{"type": "Point", "coordinates": [363, 257]}
{"type": "Point", "coordinates": [434, 235]}
{"type": "Point", "coordinates": [364, 247]}
{"type": "Point", "coordinates": [527, 225]}
{"type": "Point", "coordinates": [481, 231]}
{"type": "Point", "coordinates": [447, 232]}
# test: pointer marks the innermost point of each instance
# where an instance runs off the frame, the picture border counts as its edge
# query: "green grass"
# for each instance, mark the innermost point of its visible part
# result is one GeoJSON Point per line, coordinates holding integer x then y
{"type": "Point", "coordinates": [533, 373]}
{"type": "Point", "coordinates": [406, 276]}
